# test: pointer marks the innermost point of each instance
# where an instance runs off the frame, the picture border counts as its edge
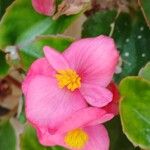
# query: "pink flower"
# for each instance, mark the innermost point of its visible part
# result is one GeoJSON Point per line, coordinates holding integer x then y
{"type": "Point", "coordinates": [113, 105]}
{"type": "Point", "coordinates": [82, 138]}
{"type": "Point", "coordinates": [60, 90]}
{"type": "Point", "coordinates": [46, 7]}
{"type": "Point", "coordinates": [82, 129]}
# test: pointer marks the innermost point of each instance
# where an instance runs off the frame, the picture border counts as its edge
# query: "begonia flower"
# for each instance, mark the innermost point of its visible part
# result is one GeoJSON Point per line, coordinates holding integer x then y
{"type": "Point", "coordinates": [82, 138]}
{"type": "Point", "coordinates": [61, 89]}
{"type": "Point", "coordinates": [82, 130]}
{"type": "Point", "coordinates": [45, 7]}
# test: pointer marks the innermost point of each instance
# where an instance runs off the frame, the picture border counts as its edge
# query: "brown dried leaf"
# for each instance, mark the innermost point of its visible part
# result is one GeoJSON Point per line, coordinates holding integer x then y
{"type": "Point", "coordinates": [71, 7]}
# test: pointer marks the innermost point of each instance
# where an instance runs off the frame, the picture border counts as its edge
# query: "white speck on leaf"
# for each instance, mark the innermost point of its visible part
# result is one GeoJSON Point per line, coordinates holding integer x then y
{"type": "Point", "coordinates": [127, 40]}
{"type": "Point", "coordinates": [141, 28]}
{"type": "Point", "coordinates": [143, 54]}
{"type": "Point", "coordinates": [139, 36]}
{"type": "Point", "coordinates": [126, 54]}
{"type": "Point", "coordinates": [129, 64]}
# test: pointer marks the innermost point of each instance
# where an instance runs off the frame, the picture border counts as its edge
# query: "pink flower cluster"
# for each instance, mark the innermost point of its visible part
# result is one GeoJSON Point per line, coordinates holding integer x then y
{"type": "Point", "coordinates": [70, 95]}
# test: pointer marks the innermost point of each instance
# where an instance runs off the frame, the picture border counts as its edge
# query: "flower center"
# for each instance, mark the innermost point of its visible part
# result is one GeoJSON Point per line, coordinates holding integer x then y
{"type": "Point", "coordinates": [76, 139]}
{"type": "Point", "coordinates": [68, 78]}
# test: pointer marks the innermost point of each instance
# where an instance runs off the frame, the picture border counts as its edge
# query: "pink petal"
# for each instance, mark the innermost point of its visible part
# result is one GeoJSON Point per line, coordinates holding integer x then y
{"type": "Point", "coordinates": [39, 67]}
{"type": "Point", "coordinates": [98, 138]}
{"type": "Point", "coordinates": [114, 89]}
{"type": "Point", "coordinates": [46, 7]}
{"type": "Point", "coordinates": [83, 117]}
{"type": "Point", "coordinates": [55, 59]}
{"type": "Point", "coordinates": [114, 105]}
{"type": "Point", "coordinates": [47, 139]}
{"type": "Point", "coordinates": [103, 119]}
{"type": "Point", "coordinates": [94, 59]}
{"type": "Point", "coordinates": [47, 105]}
{"type": "Point", "coordinates": [96, 95]}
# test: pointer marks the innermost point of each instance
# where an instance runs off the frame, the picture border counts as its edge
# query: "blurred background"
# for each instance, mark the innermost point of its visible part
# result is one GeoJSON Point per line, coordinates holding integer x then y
{"type": "Point", "coordinates": [127, 21]}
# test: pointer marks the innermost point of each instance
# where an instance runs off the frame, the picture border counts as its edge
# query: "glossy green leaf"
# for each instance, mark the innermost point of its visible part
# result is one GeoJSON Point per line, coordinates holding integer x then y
{"type": "Point", "coordinates": [134, 110]}
{"type": "Point", "coordinates": [3, 5]}
{"type": "Point", "coordinates": [99, 23]}
{"type": "Point", "coordinates": [29, 141]}
{"type": "Point", "coordinates": [117, 139]}
{"type": "Point", "coordinates": [34, 50]}
{"type": "Point", "coordinates": [145, 6]}
{"type": "Point", "coordinates": [3, 64]}
{"type": "Point", "coordinates": [21, 24]}
{"type": "Point", "coordinates": [7, 136]}
{"type": "Point", "coordinates": [145, 72]}
{"type": "Point", "coordinates": [132, 36]}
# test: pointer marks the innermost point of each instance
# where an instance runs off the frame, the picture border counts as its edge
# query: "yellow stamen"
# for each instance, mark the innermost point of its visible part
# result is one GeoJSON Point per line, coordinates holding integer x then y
{"type": "Point", "coordinates": [76, 139]}
{"type": "Point", "coordinates": [68, 78]}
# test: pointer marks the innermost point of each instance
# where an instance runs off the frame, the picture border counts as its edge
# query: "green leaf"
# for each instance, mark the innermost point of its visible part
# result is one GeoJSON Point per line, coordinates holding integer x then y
{"type": "Point", "coordinates": [134, 110]}
{"type": "Point", "coordinates": [4, 4]}
{"type": "Point", "coordinates": [145, 6]}
{"type": "Point", "coordinates": [7, 136]}
{"type": "Point", "coordinates": [21, 24]}
{"type": "Point", "coordinates": [29, 141]}
{"type": "Point", "coordinates": [132, 36]}
{"type": "Point", "coordinates": [34, 50]}
{"type": "Point", "coordinates": [145, 72]}
{"type": "Point", "coordinates": [99, 23]}
{"type": "Point", "coordinates": [117, 139]}
{"type": "Point", "coordinates": [3, 64]}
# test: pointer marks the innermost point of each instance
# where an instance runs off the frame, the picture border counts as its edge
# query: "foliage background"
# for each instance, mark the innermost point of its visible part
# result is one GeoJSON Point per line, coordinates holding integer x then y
{"type": "Point", "coordinates": [23, 32]}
